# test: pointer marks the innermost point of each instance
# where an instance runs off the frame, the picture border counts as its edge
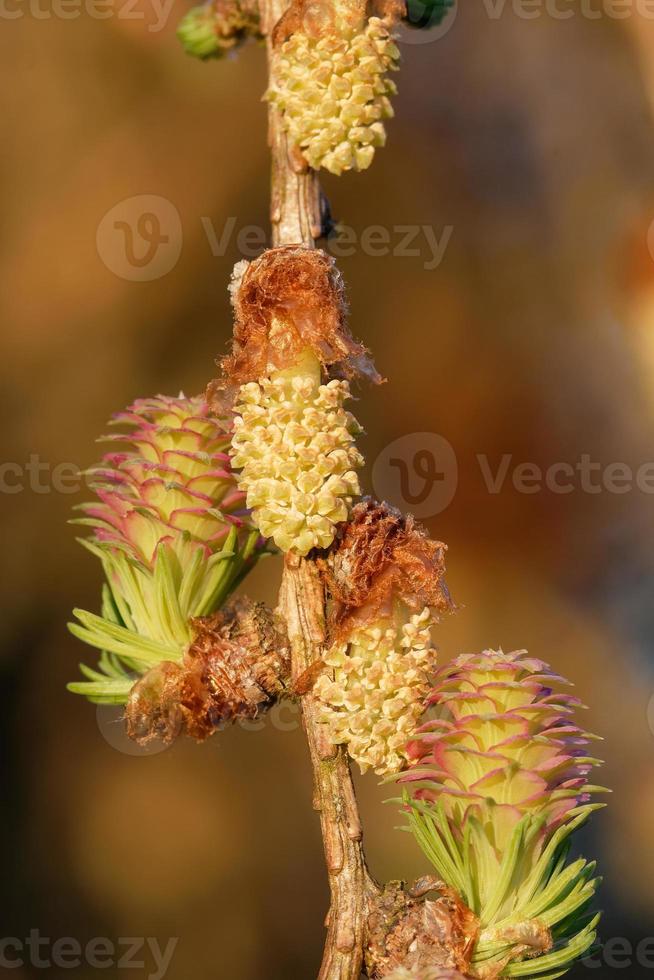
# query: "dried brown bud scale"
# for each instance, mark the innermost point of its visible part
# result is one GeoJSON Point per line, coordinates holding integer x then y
{"type": "Point", "coordinates": [380, 557]}
{"type": "Point", "coordinates": [420, 936]}
{"type": "Point", "coordinates": [236, 667]}
{"type": "Point", "coordinates": [289, 300]}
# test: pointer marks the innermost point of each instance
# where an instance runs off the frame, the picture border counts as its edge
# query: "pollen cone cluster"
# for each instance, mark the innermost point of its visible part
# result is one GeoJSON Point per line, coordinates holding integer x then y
{"type": "Point", "coordinates": [294, 445]}
{"type": "Point", "coordinates": [334, 94]}
{"type": "Point", "coordinates": [293, 441]}
{"type": "Point", "coordinates": [384, 577]}
{"type": "Point", "coordinates": [374, 698]}
{"type": "Point", "coordinates": [499, 784]}
{"type": "Point", "coordinates": [172, 533]}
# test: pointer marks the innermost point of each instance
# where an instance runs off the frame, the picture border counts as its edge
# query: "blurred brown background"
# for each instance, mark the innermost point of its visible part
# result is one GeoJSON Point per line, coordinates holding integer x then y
{"type": "Point", "coordinates": [533, 140]}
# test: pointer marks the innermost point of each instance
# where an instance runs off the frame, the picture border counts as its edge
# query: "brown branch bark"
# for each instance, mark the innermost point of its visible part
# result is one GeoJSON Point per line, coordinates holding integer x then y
{"type": "Point", "coordinates": [359, 924]}
{"type": "Point", "coordinates": [297, 204]}
{"type": "Point", "coordinates": [302, 604]}
{"type": "Point", "coordinates": [297, 214]}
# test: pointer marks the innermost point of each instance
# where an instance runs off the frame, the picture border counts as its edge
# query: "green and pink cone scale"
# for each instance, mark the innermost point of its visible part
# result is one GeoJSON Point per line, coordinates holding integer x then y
{"type": "Point", "coordinates": [172, 533]}
{"type": "Point", "coordinates": [500, 780]}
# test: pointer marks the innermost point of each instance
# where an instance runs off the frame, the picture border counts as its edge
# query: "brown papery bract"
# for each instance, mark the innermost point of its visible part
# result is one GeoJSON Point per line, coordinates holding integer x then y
{"type": "Point", "coordinates": [381, 557]}
{"type": "Point", "coordinates": [237, 666]}
{"type": "Point", "coordinates": [419, 935]}
{"type": "Point", "coordinates": [320, 18]}
{"type": "Point", "coordinates": [390, 11]}
{"type": "Point", "coordinates": [237, 19]}
{"type": "Point", "coordinates": [287, 301]}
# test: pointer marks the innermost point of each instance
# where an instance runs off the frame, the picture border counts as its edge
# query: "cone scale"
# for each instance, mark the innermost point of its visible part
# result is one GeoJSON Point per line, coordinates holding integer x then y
{"type": "Point", "coordinates": [500, 780]}
{"type": "Point", "coordinates": [173, 535]}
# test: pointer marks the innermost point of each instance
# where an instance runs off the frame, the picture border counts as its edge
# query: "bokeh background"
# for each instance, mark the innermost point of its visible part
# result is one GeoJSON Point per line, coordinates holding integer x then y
{"type": "Point", "coordinates": [532, 140]}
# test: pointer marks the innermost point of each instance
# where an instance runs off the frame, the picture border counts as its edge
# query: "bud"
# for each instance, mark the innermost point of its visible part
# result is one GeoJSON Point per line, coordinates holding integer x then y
{"type": "Point", "coordinates": [173, 535]}
{"type": "Point", "coordinates": [384, 576]}
{"type": "Point", "coordinates": [500, 781]}
{"type": "Point", "coordinates": [218, 27]}
{"type": "Point", "coordinates": [427, 13]}
{"type": "Point", "coordinates": [334, 94]}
